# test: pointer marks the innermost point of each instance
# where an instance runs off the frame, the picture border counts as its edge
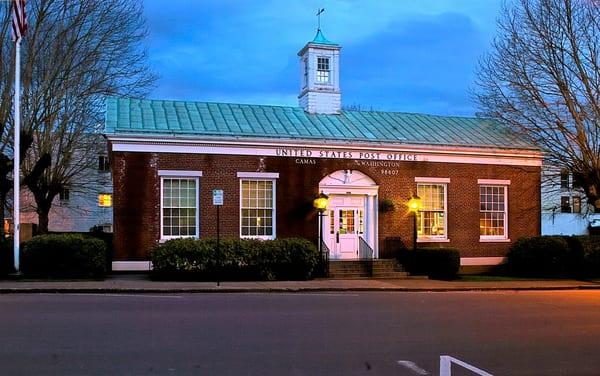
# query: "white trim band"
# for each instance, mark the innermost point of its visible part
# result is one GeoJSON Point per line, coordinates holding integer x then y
{"type": "Point", "coordinates": [493, 182]}
{"type": "Point", "coordinates": [179, 173]}
{"type": "Point", "coordinates": [431, 180]}
{"type": "Point", "coordinates": [259, 175]}
{"type": "Point", "coordinates": [131, 266]}
{"type": "Point", "coordinates": [324, 150]}
{"type": "Point", "coordinates": [475, 261]}
{"type": "Point", "coordinates": [483, 239]}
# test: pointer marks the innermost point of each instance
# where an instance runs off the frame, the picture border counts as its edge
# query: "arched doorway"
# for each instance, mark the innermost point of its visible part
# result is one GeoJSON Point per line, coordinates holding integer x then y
{"type": "Point", "coordinates": [351, 215]}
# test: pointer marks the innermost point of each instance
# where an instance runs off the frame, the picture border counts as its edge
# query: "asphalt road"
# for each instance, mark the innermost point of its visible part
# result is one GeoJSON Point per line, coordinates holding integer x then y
{"type": "Point", "coordinates": [503, 333]}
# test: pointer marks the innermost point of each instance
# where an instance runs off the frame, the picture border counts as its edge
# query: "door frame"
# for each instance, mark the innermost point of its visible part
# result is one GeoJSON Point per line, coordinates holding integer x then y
{"type": "Point", "coordinates": [355, 183]}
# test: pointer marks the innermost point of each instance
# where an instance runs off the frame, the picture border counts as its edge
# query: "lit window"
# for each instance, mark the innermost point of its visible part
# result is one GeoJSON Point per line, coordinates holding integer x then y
{"type": "Point", "coordinates": [576, 204]}
{"type": "Point", "coordinates": [492, 211]}
{"type": "Point", "coordinates": [323, 70]}
{"type": "Point", "coordinates": [103, 163]}
{"type": "Point", "coordinates": [179, 207]}
{"type": "Point", "coordinates": [431, 220]}
{"type": "Point", "coordinates": [257, 209]}
{"type": "Point", "coordinates": [105, 200]}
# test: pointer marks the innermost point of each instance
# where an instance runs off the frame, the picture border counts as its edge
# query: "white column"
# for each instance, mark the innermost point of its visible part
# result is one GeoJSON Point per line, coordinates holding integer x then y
{"type": "Point", "coordinates": [372, 224]}
{"type": "Point", "coordinates": [16, 156]}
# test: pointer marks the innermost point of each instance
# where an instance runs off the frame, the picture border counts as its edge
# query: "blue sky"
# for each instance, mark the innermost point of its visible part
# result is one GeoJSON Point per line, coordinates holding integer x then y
{"type": "Point", "coordinates": [397, 55]}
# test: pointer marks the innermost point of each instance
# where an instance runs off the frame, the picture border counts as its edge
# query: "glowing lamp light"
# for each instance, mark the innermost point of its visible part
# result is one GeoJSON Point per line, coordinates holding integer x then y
{"type": "Point", "coordinates": [415, 204]}
{"type": "Point", "coordinates": [320, 203]}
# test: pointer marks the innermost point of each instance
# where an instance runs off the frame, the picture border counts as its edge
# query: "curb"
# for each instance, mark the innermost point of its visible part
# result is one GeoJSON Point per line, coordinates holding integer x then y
{"type": "Point", "coordinates": [141, 291]}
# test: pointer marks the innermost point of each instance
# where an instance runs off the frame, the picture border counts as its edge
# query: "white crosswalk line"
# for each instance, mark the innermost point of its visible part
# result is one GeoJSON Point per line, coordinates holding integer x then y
{"type": "Point", "coordinates": [412, 366]}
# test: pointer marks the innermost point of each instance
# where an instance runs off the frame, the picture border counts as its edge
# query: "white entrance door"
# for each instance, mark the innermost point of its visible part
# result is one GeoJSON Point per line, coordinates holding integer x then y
{"type": "Point", "coordinates": [344, 224]}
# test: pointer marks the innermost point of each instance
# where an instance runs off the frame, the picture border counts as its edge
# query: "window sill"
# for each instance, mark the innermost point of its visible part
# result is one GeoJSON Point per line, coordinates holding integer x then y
{"type": "Point", "coordinates": [259, 237]}
{"type": "Point", "coordinates": [494, 240]}
{"type": "Point", "coordinates": [162, 240]}
{"type": "Point", "coordinates": [433, 240]}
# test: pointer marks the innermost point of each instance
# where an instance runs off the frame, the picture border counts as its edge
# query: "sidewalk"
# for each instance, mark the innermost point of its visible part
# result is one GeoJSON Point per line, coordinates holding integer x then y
{"type": "Point", "coordinates": [142, 284]}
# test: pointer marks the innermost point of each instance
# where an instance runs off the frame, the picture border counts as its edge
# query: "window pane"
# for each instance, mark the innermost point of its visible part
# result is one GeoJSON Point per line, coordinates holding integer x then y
{"type": "Point", "coordinates": [256, 211]}
{"type": "Point", "coordinates": [179, 207]}
{"type": "Point", "coordinates": [431, 218]}
{"type": "Point", "coordinates": [492, 210]}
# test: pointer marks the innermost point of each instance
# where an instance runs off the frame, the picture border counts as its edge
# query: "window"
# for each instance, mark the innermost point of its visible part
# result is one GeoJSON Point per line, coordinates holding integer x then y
{"type": "Point", "coordinates": [576, 204]}
{"type": "Point", "coordinates": [305, 81]}
{"type": "Point", "coordinates": [565, 204]}
{"type": "Point", "coordinates": [564, 179]}
{"type": "Point", "coordinates": [492, 212]}
{"type": "Point", "coordinates": [103, 163]}
{"type": "Point", "coordinates": [179, 207]}
{"type": "Point", "coordinates": [105, 200]}
{"type": "Point", "coordinates": [64, 194]}
{"type": "Point", "coordinates": [323, 70]}
{"type": "Point", "coordinates": [257, 209]}
{"type": "Point", "coordinates": [431, 219]}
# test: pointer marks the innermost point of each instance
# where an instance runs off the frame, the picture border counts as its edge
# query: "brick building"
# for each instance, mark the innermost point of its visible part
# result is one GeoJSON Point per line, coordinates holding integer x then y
{"type": "Point", "coordinates": [479, 185]}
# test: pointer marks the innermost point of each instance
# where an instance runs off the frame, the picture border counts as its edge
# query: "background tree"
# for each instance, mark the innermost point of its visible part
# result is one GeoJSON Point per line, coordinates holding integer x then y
{"type": "Point", "coordinates": [74, 54]}
{"type": "Point", "coordinates": [542, 78]}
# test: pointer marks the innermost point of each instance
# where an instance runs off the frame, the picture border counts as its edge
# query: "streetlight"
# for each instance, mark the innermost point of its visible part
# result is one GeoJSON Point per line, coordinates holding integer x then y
{"type": "Point", "coordinates": [414, 205]}
{"type": "Point", "coordinates": [320, 204]}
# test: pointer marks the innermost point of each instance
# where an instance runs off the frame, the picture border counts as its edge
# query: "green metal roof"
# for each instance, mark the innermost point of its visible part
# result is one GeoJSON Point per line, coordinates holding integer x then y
{"type": "Point", "coordinates": [126, 116]}
{"type": "Point", "coordinates": [320, 39]}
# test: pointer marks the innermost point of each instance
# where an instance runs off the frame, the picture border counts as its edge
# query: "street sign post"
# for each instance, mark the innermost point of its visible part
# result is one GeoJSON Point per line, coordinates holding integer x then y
{"type": "Point", "coordinates": [218, 202]}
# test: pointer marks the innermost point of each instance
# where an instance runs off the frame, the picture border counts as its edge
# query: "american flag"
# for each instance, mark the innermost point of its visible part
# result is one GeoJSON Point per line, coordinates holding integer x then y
{"type": "Point", "coordinates": [19, 19]}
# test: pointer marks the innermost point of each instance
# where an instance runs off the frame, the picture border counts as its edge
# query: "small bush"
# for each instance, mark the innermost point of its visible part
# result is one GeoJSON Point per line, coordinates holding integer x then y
{"type": "Point", "coordinates": [587, 251]}
{"type": "Point", "coordinates": [6, 256]}
{"type": "Point", "coordinates": [63, 256]}
{"type": "Point", "coordinates": [543, 256]}
{"type": "Point", "coordinates": [237, 259]}
{"type": "Point", "coordinates": [440, 263]}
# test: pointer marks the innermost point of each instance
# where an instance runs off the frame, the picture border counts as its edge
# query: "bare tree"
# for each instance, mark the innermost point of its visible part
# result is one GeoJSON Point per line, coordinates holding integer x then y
{"type": "Point", "coordinates": [542, 78]}
{"type": "Point", "coordinates": [75, 53]}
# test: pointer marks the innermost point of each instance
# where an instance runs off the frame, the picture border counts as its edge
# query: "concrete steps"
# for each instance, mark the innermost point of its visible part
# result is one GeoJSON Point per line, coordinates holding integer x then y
{"type": "Point", "coordinates": [355, 269]}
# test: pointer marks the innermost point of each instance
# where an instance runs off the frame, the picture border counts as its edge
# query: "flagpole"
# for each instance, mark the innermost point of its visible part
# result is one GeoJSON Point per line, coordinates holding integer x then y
{"type": "Point", "coordinates": [16, 154]}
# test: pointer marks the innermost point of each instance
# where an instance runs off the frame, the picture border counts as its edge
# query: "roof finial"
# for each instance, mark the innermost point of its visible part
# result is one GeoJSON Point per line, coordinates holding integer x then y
{"type": "Point", "coordinates": [319, 11]}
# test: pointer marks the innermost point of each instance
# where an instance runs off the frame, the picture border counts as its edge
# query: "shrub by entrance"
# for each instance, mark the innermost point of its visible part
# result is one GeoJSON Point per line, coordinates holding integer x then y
{"type": "Point", "coordinates": [237, 259]}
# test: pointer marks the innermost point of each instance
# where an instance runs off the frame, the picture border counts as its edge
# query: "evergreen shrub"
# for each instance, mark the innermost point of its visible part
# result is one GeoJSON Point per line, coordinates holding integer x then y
{"type": "Point", "coordinates": [63, 256]}
{"type": "Point", "coordinates": [237, 259]}
{"type": "Point", "coordinates": [542, 256]}
{"type": "Point", "coordinates": [587, 251]}
{"type": "Point", "coordinates": [6, 256]}
{"type": "Point", "coordinates": [439, 263]}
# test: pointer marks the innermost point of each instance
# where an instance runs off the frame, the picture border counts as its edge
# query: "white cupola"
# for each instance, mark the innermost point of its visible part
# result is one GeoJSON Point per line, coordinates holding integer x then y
{"type": "Point", "coordinates": [320, 76]}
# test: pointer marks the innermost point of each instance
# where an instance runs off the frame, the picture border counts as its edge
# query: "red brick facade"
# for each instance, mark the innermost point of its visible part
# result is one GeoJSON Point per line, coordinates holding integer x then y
{"type": "Point", "coordinates": [137, 198]}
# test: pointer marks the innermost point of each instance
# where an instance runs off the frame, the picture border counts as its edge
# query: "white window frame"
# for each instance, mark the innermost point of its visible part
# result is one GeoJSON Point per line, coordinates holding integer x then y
{"type": "Point", "coordinates": [265, 176]}
{"type": "Point", "coordinates": [177, 174]}
{"type": "Point", "coordinates": [435, 181]}
{"type": "Point", "coordinates": [494, 183]}
{"type": "Point", "coordinates": [328, 82]}
{"type": "Point", "coordinates": [305, 73]}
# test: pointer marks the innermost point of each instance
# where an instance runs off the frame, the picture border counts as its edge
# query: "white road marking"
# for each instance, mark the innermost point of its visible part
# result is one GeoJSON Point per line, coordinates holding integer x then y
{"type": "Point", "coordinates": [131, 295]}
{"type": "Point", "coordinates": [412, 366]}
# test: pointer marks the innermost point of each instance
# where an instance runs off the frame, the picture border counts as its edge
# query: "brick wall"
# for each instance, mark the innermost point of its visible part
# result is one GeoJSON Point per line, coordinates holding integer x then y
{"type": "Point", "coordinates": [137, 206]}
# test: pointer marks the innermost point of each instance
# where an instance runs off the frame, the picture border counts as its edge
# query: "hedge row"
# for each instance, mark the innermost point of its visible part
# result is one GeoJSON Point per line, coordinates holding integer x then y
{"type": "Point", "coordinates": [63, 256]}
{"type": "Point", "coordinates": [6, 256]}
{"type": "Point", "coordinates": [555, 256]}
{"type": "Point", "coordinates": [440, 263]}
{"type": "Point", "coordinates": [280, 259]}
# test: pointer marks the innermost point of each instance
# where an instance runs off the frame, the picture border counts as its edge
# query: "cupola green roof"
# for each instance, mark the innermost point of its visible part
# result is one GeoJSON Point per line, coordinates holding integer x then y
{"type": "Point", "coordinates": [320, 39]}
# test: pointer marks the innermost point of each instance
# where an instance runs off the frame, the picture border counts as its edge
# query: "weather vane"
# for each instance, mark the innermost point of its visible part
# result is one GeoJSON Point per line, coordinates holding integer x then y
{"type": "Point", "coordinates": [319, 11]}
